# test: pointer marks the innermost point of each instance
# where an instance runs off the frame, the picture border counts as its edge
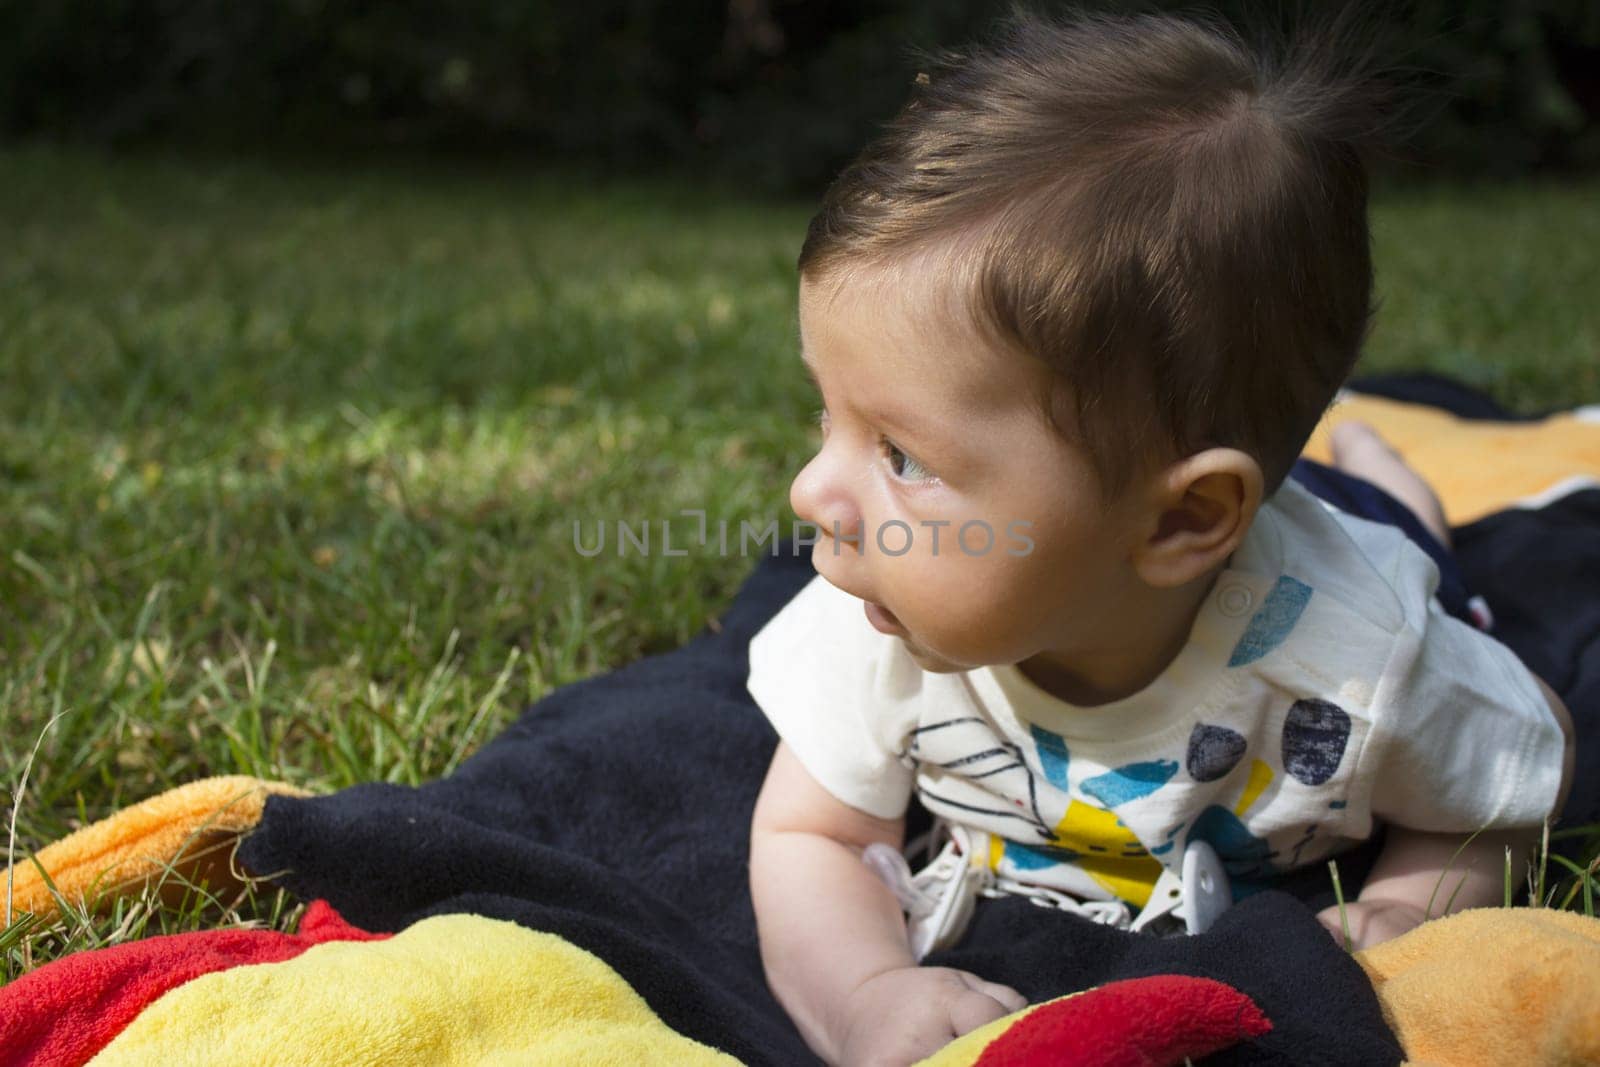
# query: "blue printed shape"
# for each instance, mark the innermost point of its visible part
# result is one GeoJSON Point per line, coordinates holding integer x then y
{"type": "Point", "coordinates": [1315, 734]}
{"type": "Point", "coordinates": [1244, 855]}
{"type": "Point", "coordinates": [1213, 751]}
{"type": "Point", "coordinates": [1130, 782]}
{"type": "Point", "coordinates": [1269, 626]}
{"type": "Point", "coordinates": [1025, 858]}
{"type": "Point", "coordinates": [1053, 755]}
{"type": "Point", "coordinates": [1249, 887]}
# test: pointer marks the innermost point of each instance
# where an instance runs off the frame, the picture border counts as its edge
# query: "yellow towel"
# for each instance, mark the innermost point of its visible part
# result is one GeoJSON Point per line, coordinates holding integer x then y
{"type": "Point", "coordinates": [189, 830]}
{"type": "Point", "coordinates": [1475, 468]}
{"type": "Point", "coordinates": [452, 989]}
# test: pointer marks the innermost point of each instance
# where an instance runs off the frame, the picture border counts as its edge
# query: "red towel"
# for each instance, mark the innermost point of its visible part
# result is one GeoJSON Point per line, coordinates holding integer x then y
{"type": "Point", "coordinates": [1163, 1019]}
{"type": "Point", "coordinates": [62, 1014]}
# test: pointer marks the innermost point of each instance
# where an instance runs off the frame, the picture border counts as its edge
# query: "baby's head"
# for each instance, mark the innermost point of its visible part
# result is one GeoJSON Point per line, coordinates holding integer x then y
{"type": "Point", "coordinates": [1140, 231]}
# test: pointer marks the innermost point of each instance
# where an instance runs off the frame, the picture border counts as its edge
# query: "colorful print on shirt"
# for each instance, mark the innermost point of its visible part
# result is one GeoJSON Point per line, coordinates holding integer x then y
{"type": "Point", "coordinates": [1050, 826]}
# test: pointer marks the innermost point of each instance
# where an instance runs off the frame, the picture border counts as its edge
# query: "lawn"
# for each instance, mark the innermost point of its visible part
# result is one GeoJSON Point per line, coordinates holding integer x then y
{"type": "Point", "coordinates": [290, 454]}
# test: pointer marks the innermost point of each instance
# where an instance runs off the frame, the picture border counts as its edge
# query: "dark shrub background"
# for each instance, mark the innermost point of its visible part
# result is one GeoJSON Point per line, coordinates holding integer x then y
{"type": "Point", "coordinates": [775, 94]}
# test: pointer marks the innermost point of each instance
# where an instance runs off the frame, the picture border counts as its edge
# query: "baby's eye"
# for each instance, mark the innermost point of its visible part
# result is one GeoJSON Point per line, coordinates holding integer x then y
{"type": "Point", "coordinates": [821, 419]}
{"type": "Point", "coordinates": [903, 465]}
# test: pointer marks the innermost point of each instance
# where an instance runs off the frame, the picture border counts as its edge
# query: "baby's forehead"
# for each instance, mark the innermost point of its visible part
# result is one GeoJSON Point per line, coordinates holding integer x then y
{"type": "Point", "coordinates": [934, 287]}
{"type": "Point", "coordinates": [907, 323]}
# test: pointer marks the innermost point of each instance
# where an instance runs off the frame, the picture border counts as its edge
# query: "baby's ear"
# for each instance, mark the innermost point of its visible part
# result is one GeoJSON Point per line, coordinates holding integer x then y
{"type": "Point", "coordinates": [1203, 507]}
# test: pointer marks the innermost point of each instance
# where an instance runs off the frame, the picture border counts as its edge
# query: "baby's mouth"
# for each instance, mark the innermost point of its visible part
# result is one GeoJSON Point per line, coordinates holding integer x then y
{"type": "Point", "coordinates": [882, 619]}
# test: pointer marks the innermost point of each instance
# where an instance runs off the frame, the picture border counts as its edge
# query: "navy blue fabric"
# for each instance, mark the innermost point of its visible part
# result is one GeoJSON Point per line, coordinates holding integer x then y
{"type": "Point", "coordinates": [1269, 946]}
{"type": "Point", "coordinates": [1437, 391]}
{"type": "Point", "coordinates": [615, 814]}
{"type": "Point", "coordinates": [1539, 571]}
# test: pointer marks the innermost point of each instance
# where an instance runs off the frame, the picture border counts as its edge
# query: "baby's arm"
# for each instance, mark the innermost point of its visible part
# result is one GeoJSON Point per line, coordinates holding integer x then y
{"type": "Point", "coordinates": [1420, 875]}
{"type": "Point", "coordinates": [833, 940]}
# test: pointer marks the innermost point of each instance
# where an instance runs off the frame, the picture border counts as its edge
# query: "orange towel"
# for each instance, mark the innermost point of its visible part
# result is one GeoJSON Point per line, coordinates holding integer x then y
{"type": "Point", "coordinates": [189, 831]}
{"type": "Point", "coordinates": [1492, 986]}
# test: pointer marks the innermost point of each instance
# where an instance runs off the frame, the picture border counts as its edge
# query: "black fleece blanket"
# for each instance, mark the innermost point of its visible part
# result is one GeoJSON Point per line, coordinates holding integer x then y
{"type": "Point", "coordinates": [615, 812]}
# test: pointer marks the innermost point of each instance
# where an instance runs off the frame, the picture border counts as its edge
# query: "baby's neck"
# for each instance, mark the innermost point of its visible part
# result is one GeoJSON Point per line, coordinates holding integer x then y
{"type": "Point", "coordinates": [1146, 644]}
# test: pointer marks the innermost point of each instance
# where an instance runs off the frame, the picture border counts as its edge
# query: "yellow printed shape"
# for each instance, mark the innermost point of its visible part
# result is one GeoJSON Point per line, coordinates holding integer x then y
{"type": "Point", "coordinates": [1260, 778]}
{"type": "Point", "coordinates": [452, 989]}
{"type": "Point", "coordinates": [997, 851]}
{"type": "Point", "coordinates": [1108, 851]}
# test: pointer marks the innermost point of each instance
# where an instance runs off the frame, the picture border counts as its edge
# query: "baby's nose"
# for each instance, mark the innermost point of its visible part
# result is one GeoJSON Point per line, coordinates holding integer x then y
{"type": "Point", "coordinates": [818, 495]}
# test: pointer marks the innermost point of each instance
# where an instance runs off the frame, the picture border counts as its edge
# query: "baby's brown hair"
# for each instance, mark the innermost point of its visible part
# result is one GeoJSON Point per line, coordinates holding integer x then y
{"type": "Point", "coordinates": [1173, 221]}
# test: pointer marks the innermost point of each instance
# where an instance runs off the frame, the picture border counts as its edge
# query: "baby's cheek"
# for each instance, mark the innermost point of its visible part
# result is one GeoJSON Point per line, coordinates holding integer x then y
{"type": "Point", "coordinates": [963, 636]}
{"type": "Point", "coordinates": [968, 610]}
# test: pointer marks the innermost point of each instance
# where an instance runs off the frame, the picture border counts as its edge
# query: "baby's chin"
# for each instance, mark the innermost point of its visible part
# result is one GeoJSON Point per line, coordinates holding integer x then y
{"type": "Point", "coordinates": [929, 660]}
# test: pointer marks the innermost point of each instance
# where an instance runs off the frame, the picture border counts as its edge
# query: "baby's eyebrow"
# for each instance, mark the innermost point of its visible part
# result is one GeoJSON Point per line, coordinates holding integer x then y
{"type": "Point", "coordinates": [906, 431]}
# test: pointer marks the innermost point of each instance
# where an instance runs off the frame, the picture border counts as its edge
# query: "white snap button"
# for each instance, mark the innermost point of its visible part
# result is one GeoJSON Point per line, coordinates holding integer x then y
{"type": "Point", "coordinates": [1235, 600]}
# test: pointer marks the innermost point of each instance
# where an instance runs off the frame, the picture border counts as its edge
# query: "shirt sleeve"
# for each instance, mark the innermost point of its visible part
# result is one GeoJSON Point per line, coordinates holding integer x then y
{"type": "Point", "coordinates": [1467, 740]}
{"type": "Point", "coordinates": [824, 678]}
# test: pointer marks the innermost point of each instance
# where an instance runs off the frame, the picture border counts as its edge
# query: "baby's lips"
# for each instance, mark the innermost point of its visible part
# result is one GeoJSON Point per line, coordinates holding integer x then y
{"type": "Point", "coordinates": [882, 619]}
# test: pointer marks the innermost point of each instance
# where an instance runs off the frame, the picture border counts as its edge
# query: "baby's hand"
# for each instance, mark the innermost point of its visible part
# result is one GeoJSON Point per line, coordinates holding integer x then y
{"type": "Point", "coordinates": [1371, 921]}
{"type": "Point", "coordinates": [902, 1016]}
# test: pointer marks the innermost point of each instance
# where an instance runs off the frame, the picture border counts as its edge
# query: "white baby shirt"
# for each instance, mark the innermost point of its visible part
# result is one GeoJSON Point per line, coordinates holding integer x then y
{"type": "Point", "coordinates": [1321, 687]}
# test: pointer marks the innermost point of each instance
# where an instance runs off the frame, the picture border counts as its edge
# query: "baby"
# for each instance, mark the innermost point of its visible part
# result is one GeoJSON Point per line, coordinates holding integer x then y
{"type": "Point", "coordinates": [1073, 316]}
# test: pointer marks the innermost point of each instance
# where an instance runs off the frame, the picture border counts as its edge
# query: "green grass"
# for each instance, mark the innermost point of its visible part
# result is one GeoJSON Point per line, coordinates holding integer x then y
{"type": "Point", "coordinates": [290, 455]}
